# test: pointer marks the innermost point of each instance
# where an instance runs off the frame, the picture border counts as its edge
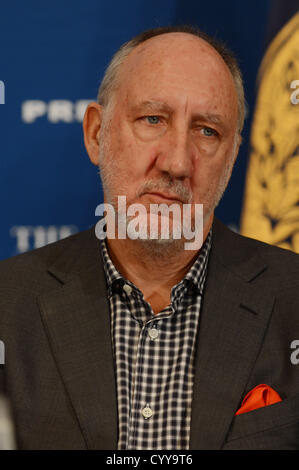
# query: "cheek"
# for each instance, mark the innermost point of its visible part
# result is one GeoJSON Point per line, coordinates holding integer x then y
{"type": "Point", "coordinates": [122, 166]}
{"type": "Point", "coordinates": [207, 176]}
{"type": "Point", "coordinates": [129, 152]}
{"type": "Point", "coordinates": [206, 170]}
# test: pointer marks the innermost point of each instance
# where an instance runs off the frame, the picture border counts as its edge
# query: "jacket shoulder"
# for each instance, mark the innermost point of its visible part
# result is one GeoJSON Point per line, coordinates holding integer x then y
{"type": "Point", "coordinates": [282, 263]}
{"type": "Point", "coordinates": [27, 269]}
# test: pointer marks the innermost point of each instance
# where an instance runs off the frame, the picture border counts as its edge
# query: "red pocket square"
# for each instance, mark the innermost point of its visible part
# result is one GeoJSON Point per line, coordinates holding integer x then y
{"type": "Point", "coordinates": [259, 396]}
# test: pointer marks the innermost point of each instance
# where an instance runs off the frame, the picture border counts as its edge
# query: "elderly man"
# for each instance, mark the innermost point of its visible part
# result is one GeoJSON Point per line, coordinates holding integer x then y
{"type": "Point", "coordinates": [139, 343]}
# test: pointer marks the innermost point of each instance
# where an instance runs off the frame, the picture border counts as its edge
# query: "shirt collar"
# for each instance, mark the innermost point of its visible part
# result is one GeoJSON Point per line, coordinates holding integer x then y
{"type": "Point", "coordinates": [194, 279]}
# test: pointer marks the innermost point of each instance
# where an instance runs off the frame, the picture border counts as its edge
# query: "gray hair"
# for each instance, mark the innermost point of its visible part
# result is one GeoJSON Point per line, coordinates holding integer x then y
{"type": "Point", "coordinates": [110, 83]}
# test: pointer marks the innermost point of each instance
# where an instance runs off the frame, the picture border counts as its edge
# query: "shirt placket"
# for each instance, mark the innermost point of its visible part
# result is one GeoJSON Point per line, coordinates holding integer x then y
{"type": "Point", "coordinates": [142, 411]}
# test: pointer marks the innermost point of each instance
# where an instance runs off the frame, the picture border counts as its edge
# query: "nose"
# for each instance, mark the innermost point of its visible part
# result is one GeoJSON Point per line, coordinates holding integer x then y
{"type": "Point", "coordinates": [175, 154]}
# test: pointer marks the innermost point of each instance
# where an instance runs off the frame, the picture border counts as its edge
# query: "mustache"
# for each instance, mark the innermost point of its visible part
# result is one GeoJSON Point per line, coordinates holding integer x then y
{"type": "Point", "coordinates": [176, 188]}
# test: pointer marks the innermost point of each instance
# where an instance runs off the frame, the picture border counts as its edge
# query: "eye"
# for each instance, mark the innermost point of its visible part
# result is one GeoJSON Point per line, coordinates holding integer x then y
{"type": "Point", "coordinates": [153, 119]}
{"type": "Point", "coordinates": [208, 131]}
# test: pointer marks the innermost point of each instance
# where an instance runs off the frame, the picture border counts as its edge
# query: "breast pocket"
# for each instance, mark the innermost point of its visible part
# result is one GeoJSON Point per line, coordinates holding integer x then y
{"type": "Point", "coordinates": [271, 427]}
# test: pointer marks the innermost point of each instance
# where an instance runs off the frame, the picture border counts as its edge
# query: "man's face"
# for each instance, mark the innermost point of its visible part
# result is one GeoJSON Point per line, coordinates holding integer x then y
{"type": "Point", "coordinates": [170, 134]}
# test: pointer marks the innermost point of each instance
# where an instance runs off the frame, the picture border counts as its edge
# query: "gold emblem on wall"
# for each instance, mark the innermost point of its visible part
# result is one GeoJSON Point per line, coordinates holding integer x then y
{"type": "Point", "coordinates": [271, 204]}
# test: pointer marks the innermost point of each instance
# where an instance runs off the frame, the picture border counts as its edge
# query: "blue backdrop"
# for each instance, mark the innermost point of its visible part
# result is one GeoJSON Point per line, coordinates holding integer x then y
{"type": "Point", "coordinates": [52, 59]}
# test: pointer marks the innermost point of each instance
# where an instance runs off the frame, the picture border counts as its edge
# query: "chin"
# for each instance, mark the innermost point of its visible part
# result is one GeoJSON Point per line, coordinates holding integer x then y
{"type": "Point", "coordinates": [162, 248]}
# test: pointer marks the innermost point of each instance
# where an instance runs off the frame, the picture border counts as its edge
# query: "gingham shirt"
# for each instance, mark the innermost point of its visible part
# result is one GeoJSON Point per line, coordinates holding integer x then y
{"type": "Point", "coordinates": [154, 357]}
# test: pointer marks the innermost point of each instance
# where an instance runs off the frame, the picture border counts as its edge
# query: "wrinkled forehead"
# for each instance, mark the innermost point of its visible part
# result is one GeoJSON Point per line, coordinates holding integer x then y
{"type": "Point", "coordinates": [178, 66]}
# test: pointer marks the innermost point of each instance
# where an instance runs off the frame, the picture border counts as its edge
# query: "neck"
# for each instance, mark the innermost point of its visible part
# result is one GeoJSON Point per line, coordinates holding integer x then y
{"type": "Point", "coordinates": [154, 272]}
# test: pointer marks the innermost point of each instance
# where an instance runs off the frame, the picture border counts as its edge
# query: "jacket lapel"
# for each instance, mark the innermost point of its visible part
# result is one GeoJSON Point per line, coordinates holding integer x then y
{"type": "Point", "coordinates": [76, 319]}
{"type": "Point", "coordinates": [235, 314]}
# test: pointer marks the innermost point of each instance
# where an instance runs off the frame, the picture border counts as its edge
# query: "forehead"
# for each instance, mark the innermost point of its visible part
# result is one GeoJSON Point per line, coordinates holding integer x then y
{"type": "Point", "coordinates": [178, 67]}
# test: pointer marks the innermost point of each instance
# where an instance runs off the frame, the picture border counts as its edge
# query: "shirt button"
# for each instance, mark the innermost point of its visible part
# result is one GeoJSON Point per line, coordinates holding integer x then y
{"type": "Point", "coordinates": [147, 412]}
{"type": "Point", "coordinates": [127, 289]}
{"type": "Point", "coordinates": [153, 333]}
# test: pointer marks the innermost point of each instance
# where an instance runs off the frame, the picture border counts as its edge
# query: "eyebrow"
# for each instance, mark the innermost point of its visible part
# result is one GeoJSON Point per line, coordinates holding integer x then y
{"type": "Point", "coordinates": [215, 118]}
{"type": "Point", "coordinates": [152, 106]}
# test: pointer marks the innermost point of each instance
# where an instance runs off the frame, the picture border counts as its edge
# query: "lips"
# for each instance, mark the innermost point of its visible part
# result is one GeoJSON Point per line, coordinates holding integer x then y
{"type": "Point", "coordinates": [165, 197]}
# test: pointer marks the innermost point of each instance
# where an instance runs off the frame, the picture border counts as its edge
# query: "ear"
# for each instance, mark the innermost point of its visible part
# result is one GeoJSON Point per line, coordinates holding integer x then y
{"type": "Point", "coordinates": [238, 143]}
{"type": "Point", "coordinates": [91, 127]}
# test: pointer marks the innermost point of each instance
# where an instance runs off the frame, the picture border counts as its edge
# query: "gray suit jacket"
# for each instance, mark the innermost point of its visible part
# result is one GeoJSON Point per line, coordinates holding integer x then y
{"type": "Point", "coordinates": [59, 374]}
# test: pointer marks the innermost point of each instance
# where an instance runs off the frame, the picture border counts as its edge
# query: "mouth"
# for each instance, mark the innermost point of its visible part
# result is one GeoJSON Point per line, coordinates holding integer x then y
{"type": "Point", "coordinates": [163, 197]}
